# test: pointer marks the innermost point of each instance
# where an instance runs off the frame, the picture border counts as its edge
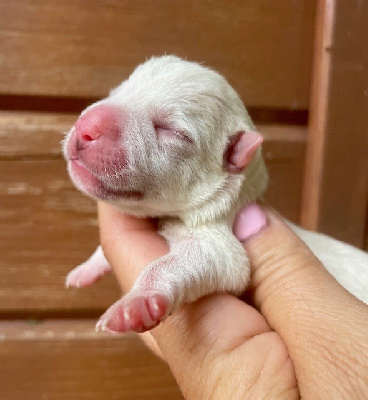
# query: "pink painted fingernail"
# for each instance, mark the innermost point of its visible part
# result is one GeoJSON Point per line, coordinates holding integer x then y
{"type": "Point", "coordinates": [249, 221]}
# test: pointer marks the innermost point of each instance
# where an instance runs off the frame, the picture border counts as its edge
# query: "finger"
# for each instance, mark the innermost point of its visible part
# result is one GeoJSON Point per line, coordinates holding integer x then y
{"type": "Point", "coordinates": [220, 348]}
{"type": "Point", "coordinates": [135, 243]}
{"type": "Point", "coordinates": [132, 241]}
{"type": "Point", "coordinates": [208, 340]}
{"type": "Point", "coordinates": [151, 343]}
{"type": "Point", "coordinates": [313, 314]}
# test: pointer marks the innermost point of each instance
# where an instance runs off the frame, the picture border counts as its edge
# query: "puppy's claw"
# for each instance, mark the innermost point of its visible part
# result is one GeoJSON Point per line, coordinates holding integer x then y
{"type": "Point", "coordinates": [69, 283]}
{"type": "Point", "coordinates": [127, 313]}
{"type": "Point", "coordinates": [101, 326]}
{"type": "Point", "coordinates": [154, 304]}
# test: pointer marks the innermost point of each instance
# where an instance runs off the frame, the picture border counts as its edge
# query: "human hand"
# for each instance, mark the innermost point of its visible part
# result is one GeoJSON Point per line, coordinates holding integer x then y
{"type": "Point", "coordinates": [305, 336]}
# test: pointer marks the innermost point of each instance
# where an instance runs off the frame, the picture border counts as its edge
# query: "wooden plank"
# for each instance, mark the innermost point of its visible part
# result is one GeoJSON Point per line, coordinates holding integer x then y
{"type": "Point", "coordinates": [47, 227]}
{"type": "Point", "coordinates": [68, 360]}
{"type": "Point", "coordinates": [79, 48]}
{"type": "Point", "coordinates": [285, 162]}
{"type": "Point", "coordinates": [25, 134]}
{"type": "Point", "coordinates": [336, 181]}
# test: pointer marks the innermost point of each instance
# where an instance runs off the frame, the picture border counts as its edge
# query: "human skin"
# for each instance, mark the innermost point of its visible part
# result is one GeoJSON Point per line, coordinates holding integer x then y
{"type": "Point", "coordinates": [303, 336]}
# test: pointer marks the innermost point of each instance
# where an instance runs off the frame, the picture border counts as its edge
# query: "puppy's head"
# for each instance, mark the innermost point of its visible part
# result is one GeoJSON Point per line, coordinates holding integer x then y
{"type": "Point", "coordinates": [172, 139]}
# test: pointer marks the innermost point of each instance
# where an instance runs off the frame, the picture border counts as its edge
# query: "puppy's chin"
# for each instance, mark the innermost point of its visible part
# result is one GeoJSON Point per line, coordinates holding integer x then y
{"type": "Point", "coordinates": [94, 187]}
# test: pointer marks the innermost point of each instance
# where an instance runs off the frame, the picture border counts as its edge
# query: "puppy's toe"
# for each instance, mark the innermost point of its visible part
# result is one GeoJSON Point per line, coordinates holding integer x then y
{"type": "Point", "coordinates": [139, 312]}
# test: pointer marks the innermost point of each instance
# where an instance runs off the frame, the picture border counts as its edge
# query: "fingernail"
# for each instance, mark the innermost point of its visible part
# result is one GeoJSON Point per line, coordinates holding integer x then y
{"type": "Point", "coordinates": [249, 221]}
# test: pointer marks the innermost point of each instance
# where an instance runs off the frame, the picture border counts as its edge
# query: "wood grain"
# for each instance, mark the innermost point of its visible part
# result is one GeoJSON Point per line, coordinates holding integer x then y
{"type": "Point", "coordinates": [47, 227]}
{"type": "Point", "coordinates": [84, 48]}
{"type": "Point", "coordinates": [36, 135]}
{"type": "Point", "coordinates": [336, 181]}
{"type": "Point", "coordinates": [67, 360]}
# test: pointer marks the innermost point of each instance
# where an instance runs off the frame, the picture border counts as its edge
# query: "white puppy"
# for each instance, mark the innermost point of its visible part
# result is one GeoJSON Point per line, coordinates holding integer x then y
{"type": "Point", "coordinates": [174, 141]}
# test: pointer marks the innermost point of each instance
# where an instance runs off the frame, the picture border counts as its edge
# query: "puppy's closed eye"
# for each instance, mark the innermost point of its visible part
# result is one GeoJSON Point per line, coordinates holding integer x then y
{"type": "Point", "coordinates": [165, 132]}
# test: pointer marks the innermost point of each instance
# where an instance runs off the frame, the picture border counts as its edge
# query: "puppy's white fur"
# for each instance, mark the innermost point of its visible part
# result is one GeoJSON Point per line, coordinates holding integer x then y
{"type": "Point", "coordinates": [186, 185]}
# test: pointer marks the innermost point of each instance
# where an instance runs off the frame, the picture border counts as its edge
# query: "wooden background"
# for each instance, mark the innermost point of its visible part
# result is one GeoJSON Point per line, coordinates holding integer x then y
{"type": "Point", "coordinates": [56, 57]}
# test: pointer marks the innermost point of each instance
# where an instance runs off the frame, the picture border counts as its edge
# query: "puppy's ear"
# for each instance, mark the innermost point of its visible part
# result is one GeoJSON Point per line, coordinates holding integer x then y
{"type": "Point", "coordinates": [240, 150]}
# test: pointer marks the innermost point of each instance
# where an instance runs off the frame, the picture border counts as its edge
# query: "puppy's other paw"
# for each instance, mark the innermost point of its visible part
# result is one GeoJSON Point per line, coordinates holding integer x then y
{"type": "Point", "coordinates": [86, 274]}
{"type": "Point", "coordinates": [137, 312]}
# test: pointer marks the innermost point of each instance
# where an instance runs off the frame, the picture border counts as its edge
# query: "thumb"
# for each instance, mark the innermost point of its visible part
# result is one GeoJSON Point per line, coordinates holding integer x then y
{"type": "Point", "coordinates": [284, 270]}
{"type": "Point", "coordinates": [300, 300]}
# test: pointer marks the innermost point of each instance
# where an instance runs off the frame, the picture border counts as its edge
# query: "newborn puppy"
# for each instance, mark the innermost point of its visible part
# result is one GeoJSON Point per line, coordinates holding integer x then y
{"type": "Point", "coordinates": [173, 141]}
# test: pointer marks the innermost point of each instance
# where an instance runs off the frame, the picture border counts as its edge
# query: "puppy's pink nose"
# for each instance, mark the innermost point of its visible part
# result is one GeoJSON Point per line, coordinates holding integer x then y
{"type": "Point", "coordinates": [99, 121]}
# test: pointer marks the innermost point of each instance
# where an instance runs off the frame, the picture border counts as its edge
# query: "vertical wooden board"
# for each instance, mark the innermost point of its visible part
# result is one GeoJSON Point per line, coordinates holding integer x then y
{"type": "Point", "coordinates": [336, 183]}
{"type": "Point", "coordinates": [366, 231]}
{"type": "Point", "coordinates": [83, 48]}
{"type": "Point", "coordinates": [285, 163]}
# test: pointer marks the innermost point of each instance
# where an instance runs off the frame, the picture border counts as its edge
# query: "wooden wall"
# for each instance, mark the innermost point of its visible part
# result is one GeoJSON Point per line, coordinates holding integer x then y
{"type": "Point", "coordinates": [55, 58]}
{"type": "Point", "coordinates": [60, 59]}
{"type": "Point", "coordinates": [336, 173]}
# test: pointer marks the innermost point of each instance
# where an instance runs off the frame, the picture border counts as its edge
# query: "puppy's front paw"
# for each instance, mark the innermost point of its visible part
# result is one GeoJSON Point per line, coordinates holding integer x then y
{"type": "Point", "coordinates": [137, 312]}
